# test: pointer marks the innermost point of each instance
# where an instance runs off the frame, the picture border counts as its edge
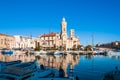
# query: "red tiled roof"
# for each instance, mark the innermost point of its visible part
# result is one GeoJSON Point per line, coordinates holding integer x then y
{"type": "Point", "coordinates": [49, 35]}
{"type": "Point", "coordinates": [4, 34]}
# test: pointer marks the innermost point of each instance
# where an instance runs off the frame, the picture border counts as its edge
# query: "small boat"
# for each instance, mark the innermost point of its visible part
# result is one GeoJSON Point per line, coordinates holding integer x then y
{"type": "Point", "coordinates": [22, 71]}
{"type": "Point", "coordinates": [41, 52]}
{"type": "Point", "coordinates": [26, 71]}
{"type": "Point", "coordinates": [7, 52]}
{"type": "Point", "coordinates": [58, 53]}
{"type": "Point", "coordinates": [61, 76]}
{"type": "Point", "coordinates": [100, 53]}
{"type": "Point", "coordinates": [5, 64]}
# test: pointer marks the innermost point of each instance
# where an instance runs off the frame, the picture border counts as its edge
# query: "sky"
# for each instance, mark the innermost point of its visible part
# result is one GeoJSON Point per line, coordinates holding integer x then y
{"type": "Point", "coordinates": [100, 18]}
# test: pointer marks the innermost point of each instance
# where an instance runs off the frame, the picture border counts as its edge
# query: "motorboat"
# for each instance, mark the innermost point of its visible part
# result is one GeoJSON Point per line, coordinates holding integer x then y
{"type": "Point", "coordinates": [100, 53]}
{"type": "Point", "coordinates": [41, 52]}
{"type": "Point", "coordinates": [5, 51]}
{"type": "Point", "coordinates": [22, 71]}
{"type": "Point", "coordinates": [58, 53]}
{"type": "Point", "coordinates": [47, 72]}
{"type": "Point", "coordinates": [5, 64]}
{"type": "Point", "coordinates": [61, 75]}
{"type": "Point", "coordinates": [26, 71]}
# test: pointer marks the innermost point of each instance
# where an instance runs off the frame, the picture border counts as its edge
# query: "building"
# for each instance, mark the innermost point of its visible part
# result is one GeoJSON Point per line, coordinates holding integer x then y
{"type": "Point", "coordinates": [49, 40]}
{"type": "Point", "coordinates": [6, 41]}
{"type": "Point", "coordinates": [59, 40]}
{"type": "Point", "coordinates": [113, 45]}
{"type": "Point", "coordinates": [24, 42]}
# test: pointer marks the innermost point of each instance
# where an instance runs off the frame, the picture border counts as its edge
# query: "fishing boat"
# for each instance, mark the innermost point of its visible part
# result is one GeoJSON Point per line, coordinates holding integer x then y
{"type": "Point", "coordinates": [5, 51]}
{"type": "Point", "coordinates": [22, 71]}
{"type": "Point", "coordinates": [40, 53]}
{"type": "Point", "coordinates": [26, 71]}
{"type": "Point", "coordinates": [5, 64]}
{"type": "Point", "coordinates": [58, 53]}
{"type": "Point", "coordinates": [61, 75]}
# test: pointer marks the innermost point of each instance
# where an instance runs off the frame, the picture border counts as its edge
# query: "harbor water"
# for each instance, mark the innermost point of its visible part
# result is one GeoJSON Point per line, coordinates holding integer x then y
{"type": "Point", "coordinates": [85, 67]}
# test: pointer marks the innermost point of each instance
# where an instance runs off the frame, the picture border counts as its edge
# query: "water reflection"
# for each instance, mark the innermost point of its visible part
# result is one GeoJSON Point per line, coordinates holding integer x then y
{"type": "Point", "coordinates": [86, 67]}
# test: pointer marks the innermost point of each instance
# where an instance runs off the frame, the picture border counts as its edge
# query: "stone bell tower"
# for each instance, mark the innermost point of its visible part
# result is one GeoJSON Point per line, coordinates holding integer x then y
{"type": "Point", "coordinates": [63, 29]}
{"type": "Point", "coordinates": [64, 33]}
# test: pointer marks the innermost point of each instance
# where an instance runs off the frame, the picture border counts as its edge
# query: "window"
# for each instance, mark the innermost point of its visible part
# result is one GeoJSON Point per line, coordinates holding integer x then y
{"type": "Point", "coordinates": [1, 41]}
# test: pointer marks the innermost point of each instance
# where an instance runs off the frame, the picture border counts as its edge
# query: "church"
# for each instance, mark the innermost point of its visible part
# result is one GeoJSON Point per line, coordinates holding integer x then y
{"type": "Point", "coordinates": [59, 40]}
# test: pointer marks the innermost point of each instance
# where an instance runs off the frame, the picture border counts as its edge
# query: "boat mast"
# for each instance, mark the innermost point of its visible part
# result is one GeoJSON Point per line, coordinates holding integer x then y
{"type": "Point", "coordinates": [93, 40]}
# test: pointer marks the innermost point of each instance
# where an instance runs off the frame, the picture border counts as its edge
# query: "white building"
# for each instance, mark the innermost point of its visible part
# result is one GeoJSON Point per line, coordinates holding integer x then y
{"type": "Point", "coordinates": [59, 40]}
{"type": "Point", "coordinates": [24, 42]}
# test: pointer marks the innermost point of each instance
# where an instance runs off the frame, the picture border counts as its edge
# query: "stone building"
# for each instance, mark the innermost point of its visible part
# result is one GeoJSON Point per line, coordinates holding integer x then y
{"type": "Point", "coordinates": [24, 42]}
{"type": "Point", "coordinates": [6, 41]}
{"type": "Point", "coordinates": [59, 40]}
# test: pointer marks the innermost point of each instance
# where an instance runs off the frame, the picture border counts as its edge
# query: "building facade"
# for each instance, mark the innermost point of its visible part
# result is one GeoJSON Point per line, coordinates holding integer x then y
{"type": "Point", "coordinates": [24, 42]}
{"type": "Point", "coordinates": [112, 45]}
{"type": "Point", "coordinates": [6, 41]}
{"type": "Point", "coordinates": [57, 40]}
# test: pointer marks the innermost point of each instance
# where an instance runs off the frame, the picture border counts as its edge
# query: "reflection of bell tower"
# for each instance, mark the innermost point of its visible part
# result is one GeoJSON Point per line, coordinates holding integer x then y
{"type": "Point", "coordinates": [63, 30]}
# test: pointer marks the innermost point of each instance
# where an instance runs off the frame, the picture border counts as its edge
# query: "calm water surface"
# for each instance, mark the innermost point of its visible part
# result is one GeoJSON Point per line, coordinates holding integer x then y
{"type": "Point", "coordinates": [94, 67]}
{"type": "Point", "coordinates": [86, 67]}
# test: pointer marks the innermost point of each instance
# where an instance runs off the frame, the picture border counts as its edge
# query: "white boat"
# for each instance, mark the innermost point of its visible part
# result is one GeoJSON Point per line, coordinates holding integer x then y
{"type": "Point", "coordinates": [61, 75]}
{"type": "Point", "coordinates": [58, 53]}
{"type": "Point", "coordinates": [41, 52]}
{"type": "Point", "coordinates": [25, 71]}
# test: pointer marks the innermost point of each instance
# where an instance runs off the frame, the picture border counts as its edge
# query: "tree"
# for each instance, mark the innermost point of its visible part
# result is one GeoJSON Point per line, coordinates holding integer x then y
{"type": "Point", "coordinates": [79, 46]}
{"type": "Point", "coordinates": [89, 48]}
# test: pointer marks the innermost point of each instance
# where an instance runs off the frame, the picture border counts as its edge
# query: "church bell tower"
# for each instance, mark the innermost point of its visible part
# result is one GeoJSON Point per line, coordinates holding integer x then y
{"type": "Point", "coordinates": [63, 30]}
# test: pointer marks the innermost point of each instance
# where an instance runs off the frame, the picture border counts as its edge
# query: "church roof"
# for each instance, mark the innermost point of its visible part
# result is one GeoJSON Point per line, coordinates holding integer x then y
{"type": "Point", "coordinates": [49, 35]}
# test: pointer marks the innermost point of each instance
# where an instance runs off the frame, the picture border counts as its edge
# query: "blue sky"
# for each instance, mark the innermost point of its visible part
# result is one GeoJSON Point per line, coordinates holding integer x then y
{"type": "Point", "coordinates": [87, 17]}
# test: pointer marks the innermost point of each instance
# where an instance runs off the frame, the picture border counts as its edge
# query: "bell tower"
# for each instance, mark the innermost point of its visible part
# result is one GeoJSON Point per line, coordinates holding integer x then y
{"type": "Point", "coordinates": [63, 29]}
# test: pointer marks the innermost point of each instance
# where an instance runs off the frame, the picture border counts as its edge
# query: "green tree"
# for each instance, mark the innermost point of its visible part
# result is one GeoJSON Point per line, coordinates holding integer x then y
{"type": "Point", "coordinates": [89, 48]}
{"type": "Point", "coordinates": [79, 46]}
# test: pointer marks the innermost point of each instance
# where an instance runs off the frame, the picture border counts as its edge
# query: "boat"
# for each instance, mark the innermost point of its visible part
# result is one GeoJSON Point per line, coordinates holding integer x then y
{"type": "Point", "coordinates": [40, 53]}
{"type": "Point", "coordinates": [58, 53]}
{"type": "Point", "coordinates": [100, 53]}
{"type": "Point", "coordinates": [5, 51]}
{"type": "Point", "coordinates": [22, 71]}
{"type": "Point", "coordinates": [112, 75]}
{"type": "Point", "coordinates": [61, 75]}
{"type": "Point", "coordinates": [46, 72]}
{"type": "Point", "coordinates": [5, 64]}
{"type": "Point", "coordinates": [26, 71]}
